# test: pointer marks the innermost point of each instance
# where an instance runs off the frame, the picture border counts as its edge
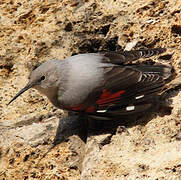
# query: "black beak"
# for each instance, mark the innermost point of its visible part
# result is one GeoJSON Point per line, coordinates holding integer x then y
{"type": "Point", "coordinates": [28, 86]}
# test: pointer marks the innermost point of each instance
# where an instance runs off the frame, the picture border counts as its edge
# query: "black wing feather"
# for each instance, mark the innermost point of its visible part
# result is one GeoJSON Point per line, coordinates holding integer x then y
{"type": "Point", "coordinates": [141, 83]}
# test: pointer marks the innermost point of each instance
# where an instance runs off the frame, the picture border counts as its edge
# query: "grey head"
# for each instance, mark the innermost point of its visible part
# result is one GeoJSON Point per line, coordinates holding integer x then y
{"type": "Point", "coordinates": [44, 78]}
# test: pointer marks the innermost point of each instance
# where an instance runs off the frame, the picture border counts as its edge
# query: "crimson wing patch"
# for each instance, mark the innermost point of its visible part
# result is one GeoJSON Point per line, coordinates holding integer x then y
{"type": "Point", "coordinates": [106, 99]}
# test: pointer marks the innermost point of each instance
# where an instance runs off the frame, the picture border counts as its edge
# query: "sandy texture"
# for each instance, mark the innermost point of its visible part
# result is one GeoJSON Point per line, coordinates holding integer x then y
{"type": "Point", "coordinates": [33, 31]}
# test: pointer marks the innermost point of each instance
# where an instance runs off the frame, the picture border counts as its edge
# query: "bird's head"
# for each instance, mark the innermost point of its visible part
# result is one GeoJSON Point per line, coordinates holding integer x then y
{"type": "Point", "coordinates": [42, 78]}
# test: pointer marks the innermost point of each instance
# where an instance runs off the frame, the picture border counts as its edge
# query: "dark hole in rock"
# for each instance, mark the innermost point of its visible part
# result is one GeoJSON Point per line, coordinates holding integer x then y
{"type": "Point", "coordinates": [176, 29]}
{"type": "Point", "coordinates": [105, 29]}
{"type": "Point", "coordinates": [107, 140]}
{"type": "Point", "coordinates": [73, 167]}
{"type": "Point", "coordinates": [90, 46]}
{"type": "Point", "coordinates": [166, 57]}
{"type": "Point", "coordinates": [111, 45]}
{"type": "Point", "coordinates": [44, 10]}
{"type": "Point", "coordinates": [8, 67]}
{"type": "Point", "coordinates": [68, 27]}
{"type": "Point", "coordinates": [26, 158]}
{"type": "Point", "coordinates": [26, 177]}
{"type": "Point", "coordinates": [11, 161]}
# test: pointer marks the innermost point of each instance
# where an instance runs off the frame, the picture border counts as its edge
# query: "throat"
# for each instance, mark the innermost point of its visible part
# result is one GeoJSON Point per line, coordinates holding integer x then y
{"type": "Point", "coordinates": [51, 94]}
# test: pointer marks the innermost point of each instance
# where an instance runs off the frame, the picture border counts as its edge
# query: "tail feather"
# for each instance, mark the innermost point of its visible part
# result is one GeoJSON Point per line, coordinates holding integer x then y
{"type": "Point", "coordinates": [150, 52]}
{"type": "Point", "coordinates": [129, 56]}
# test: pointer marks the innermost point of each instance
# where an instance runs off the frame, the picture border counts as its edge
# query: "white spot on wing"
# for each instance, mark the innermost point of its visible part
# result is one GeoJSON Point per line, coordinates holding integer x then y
{"type": "Point", "coordinates": [101, 111]}
{"type": "Point", "coordinates": [140, 78]}
{"type": "Point", "coordinates": [139, 97]}
{"type": "Point", "coordinates": [130, 108]}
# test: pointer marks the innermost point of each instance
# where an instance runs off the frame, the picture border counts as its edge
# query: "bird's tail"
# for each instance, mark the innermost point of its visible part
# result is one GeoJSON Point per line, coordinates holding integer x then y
{"type": "Point", "coordinates": [121, 57]}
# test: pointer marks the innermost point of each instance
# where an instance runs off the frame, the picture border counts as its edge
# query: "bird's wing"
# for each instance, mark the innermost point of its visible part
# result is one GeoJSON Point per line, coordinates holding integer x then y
{"type": "Point", "coordinates": [125, 89]}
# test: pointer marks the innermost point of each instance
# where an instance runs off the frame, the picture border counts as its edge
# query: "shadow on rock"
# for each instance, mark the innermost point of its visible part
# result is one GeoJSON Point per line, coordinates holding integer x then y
{"type": "Point", "coordinates": [82, 126]}
{"type": "Point", "coordinates": [69, 126]}
{"type": "Point", "coordinates": [96, 127]}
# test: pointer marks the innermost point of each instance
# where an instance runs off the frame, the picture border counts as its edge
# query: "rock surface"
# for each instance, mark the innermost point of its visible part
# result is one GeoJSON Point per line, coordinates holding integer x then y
{"type": "Point", "coordinates": [35, 142]}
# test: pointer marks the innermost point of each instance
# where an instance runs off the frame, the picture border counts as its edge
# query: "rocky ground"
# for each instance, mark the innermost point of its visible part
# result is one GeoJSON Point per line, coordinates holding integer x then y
{"type": "Point", "coordinates": [35, 143]}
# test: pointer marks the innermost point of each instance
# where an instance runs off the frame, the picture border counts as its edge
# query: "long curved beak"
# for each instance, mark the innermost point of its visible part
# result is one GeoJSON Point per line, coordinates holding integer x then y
{"type": "Point", "coordinates": [28, 86]}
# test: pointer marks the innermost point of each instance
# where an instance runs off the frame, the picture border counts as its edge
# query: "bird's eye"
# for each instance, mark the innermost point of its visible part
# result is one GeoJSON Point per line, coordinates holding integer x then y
{"type": "Point", "coordinates": [42, 78]}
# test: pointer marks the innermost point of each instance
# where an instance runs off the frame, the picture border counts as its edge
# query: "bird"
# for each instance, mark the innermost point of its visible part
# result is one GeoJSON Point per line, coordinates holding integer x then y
{"type": "Point", "coordinates": [103, 85]}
